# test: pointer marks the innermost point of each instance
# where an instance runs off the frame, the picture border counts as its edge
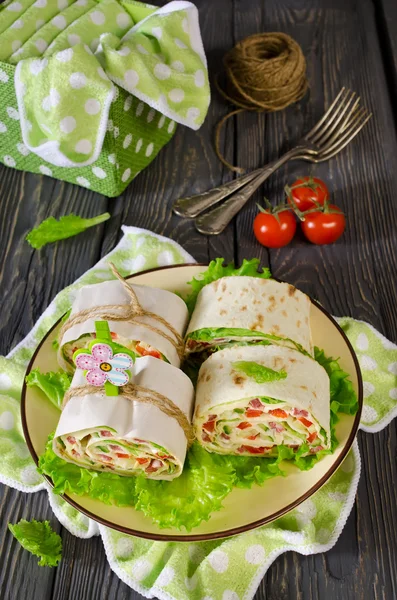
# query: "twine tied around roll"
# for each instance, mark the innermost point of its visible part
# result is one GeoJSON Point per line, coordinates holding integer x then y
{"type": "Point", "coordinates": [130, 313]}
{"type": "Point", "coordinates": [265, 72]}
{"type": "Point", "coordinates": [137, 393]}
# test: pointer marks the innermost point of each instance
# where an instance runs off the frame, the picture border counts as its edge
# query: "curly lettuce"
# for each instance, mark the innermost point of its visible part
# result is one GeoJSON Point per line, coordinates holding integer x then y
{"type": "Point", "coordinates": [216, 270]}
{"type": "Point", "coordinates": [206, 479]}
{"type": "Point", "coordinates": [53, 384]}
{"type": "Point", "coordinates": [66, 477]}
{"type": "Point", "coordinates": [38, 538]}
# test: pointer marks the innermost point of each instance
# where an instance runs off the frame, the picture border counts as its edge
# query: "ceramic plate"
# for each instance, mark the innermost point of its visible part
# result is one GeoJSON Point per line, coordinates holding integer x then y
{"type": "Point", "coordinates": [275, 498]}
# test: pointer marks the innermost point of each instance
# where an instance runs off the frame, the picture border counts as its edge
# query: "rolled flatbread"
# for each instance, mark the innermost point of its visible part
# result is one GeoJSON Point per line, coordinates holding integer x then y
{"type": "Point", "coordinates": [251, 399]}
{"type": "Point", "coordinates": [115, 434]}
{"type": "Point", "coordinates": [133, 336]}
{"type": "Point", "coordinates": [249, 309]}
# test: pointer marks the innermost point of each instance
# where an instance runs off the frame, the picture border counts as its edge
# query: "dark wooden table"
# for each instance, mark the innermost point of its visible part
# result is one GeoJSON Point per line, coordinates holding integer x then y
{"type": "Point", "coordinates": [346, 42]}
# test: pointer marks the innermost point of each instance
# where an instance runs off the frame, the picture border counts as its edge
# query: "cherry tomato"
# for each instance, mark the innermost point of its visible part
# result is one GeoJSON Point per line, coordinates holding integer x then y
{"type": "Point", "coordinates": [307, 191]}
{"type": "Point", "coordinates": [324, 227]}
{"type": "Point", "coordinates": [272, 231]}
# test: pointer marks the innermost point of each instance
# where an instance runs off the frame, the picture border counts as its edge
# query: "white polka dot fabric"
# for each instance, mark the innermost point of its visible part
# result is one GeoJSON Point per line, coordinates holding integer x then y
{"type": "Point", "coordinates": [226, 569]}
{"type": "Point", "coordinates": [73, 57]}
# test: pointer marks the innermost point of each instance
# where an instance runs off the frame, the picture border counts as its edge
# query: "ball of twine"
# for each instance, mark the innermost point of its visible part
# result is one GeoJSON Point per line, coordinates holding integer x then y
{"type": "Point", "coordinates": [265, 72]}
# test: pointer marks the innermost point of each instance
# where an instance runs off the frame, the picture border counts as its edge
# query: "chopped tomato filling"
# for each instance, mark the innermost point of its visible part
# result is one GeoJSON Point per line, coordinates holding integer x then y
{"type": "Point", "coordinates": [253, 437]}
{"type": "Point", "coordinates": [250, 413]}
{"type": "Point", "coordinates": [147, 351]}
{"type": "Point", "coordinates": [278, 412]}
{"type": "Point", "coordinates": [122, 455]}
{"type": "Point", "coordinates": [209, 426]}
{"type": "Point", "coordinates": [312, 437]}
{"type": "Point", "coordinates": [71, 439]}
{"type": "Point", "coordinates": [142, 461]}
{"type": "Point", "coordinates": [244, 425]}
{"type": "Point", "coordinates": [251, 450]}
{"type": "Point", "coordinates": [305, 422]}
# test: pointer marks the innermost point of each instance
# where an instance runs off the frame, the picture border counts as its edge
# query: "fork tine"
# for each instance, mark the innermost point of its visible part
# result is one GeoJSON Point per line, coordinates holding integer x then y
{"type": "Point", "coordinates": [346, 122]}
{"type": "Point", "coordinates": [339, 120]}
{"type": "Point", "coordinates": [325, 116]}
{"type": "Point", "coordinates": [345, 139]}
{"type": "Point", "coordinates": [340, 132]}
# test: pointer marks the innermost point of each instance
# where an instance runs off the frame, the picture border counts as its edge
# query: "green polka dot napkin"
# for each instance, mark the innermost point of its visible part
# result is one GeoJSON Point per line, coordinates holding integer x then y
{"type": "Point", "coordinates": [72, 73]}
{"type": "Point", "coordinates": [229, 569]}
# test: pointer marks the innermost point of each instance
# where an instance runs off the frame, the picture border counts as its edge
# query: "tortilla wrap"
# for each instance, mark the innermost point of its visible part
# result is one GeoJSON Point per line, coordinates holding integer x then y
{"type": "Point", "coordinates": [161, 302]}
{"type": "Point", "coordinates": [239, 412]}
{"type": "Point", "coordinates": [260, 308]}
{"type": "Point", "coordinates": [98, 431]}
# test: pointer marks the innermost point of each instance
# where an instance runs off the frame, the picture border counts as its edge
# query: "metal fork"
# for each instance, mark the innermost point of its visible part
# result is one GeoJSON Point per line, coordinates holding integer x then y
{"type": "Point", "coordinates": [338, 126]}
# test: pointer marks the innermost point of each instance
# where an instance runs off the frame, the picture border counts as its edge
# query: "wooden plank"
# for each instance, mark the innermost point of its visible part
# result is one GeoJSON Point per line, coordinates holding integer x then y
{"type": "Point", "coordinates": [20, 575]}
{"type": "Point", "coordinates": [354, 277]}
{"type": "Point", "coordinates": [29, 279]}
{"type": "Point", "coordinates": [187, 165]}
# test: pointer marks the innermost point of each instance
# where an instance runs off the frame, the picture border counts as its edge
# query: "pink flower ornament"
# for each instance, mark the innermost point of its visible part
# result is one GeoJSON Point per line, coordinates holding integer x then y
{"type": "Point", "coordinates": [101, 365]}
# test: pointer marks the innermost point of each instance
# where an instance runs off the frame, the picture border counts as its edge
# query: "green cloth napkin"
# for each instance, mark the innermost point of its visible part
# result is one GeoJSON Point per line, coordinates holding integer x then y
{"type": "Point", "coordinates": [70, 53]}
{"type": "Point", "coordinates": [229, 569]}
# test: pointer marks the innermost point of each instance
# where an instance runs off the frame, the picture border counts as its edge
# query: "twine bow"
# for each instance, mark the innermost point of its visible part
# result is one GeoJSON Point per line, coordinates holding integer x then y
{"type": "Point", "coordinates": [137, 393]}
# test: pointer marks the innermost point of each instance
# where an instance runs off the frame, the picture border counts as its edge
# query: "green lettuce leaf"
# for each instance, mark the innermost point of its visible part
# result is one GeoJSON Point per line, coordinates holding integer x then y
{"type": "Point", "coordinates": [52, 230]}
{"type": "Point", "coordinates": [191, 498]}
{"type": "Point", "coordinates": [216, 270]}
{"type": "Point", "coordinates": [206, 479]}
{"type": "Point", "coordinates": [66, 477]}
{"type": "Point", "coordinates": [207, 334]}
{"type": "Point", "coordinates": [53, 384]}
{"type": "Point", "coordinates": [259, 373]}
{"type": "Point", "coordinates": [38, 538]}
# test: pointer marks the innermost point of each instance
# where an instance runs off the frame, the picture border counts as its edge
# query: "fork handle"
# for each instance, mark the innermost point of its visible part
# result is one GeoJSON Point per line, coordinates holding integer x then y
{"type": "Point", "coordinates": [215, 221]}
{"type": "Point", "coordinates": [194, 205]}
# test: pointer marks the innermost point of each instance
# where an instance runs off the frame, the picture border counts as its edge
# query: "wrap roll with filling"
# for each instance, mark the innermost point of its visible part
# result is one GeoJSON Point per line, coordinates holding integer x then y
{"type": "Point", "coordinates": [124, 436]}
{"type": "Point", "coordinates": [251, 399]}
{"type": "Point", "coordinates": [249, 310]}
{"type": "Point", "coordinates": [134, 336]}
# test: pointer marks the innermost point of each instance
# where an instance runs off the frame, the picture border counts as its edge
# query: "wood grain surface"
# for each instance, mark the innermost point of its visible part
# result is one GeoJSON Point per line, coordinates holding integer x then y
{"type": "Point", "coordinates": [346, 42]}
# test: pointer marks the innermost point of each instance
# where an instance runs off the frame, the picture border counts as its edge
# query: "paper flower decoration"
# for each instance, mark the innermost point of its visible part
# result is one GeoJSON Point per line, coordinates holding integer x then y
{"type": "Point", "coordinates": [101, 365]}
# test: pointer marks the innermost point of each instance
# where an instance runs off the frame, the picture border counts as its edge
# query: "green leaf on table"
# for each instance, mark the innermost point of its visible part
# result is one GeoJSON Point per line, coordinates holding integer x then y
{"type": "Point", "coordinates": [53, 384]}
{"type": "Point", "coordinates": [52, 230]}
{"type": "Point", "coordinates": [216, 270]}
{"type": "Point", "coordinates": [38, 538]}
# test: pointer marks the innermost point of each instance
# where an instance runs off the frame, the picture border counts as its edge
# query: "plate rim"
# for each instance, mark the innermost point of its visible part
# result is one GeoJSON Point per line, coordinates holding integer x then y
{"type": "Point", "coordinates": [219, 534]}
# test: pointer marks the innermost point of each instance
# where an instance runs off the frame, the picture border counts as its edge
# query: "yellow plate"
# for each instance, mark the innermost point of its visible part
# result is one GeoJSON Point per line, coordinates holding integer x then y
{"type": "Point", "coordinates": [242, 509]}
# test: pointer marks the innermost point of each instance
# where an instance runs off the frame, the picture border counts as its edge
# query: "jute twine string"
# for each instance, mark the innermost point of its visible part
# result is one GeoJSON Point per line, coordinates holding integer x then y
{"type": "Point", "coordinates": [137, 393]}
{"type": "Point", "coordinates": [130, 313]}
{"type": "Point", "coordinates": [265, 72]}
